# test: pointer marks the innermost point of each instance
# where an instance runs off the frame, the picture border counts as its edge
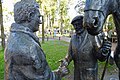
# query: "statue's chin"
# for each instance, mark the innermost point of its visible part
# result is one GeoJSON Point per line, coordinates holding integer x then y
{"type": "Point", "coordinates": [93, 31]}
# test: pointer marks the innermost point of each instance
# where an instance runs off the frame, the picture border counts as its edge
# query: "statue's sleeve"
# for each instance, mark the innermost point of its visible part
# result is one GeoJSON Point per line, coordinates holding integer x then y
{"type": "Point", "coordinates": [101, 56]}
{"type": "Point", "coordinates": [101, 51]}
{"type": "Point", "coordinates": [69, 55]}
{"type": "Point", "coordinates": [98, 52]}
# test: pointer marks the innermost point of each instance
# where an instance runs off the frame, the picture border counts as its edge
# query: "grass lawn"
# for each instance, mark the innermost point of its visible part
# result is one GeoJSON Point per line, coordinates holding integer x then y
{"type": "Point", "coordinates": [1, 65]}
{"type": "Point", "coordinates": [55, 50]}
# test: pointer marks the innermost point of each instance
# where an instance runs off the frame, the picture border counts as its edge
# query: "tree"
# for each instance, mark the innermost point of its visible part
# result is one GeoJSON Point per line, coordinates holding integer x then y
{"type": "Point", "coordinates": [2, 28]}
{"type": "Point", "coordinates": [63, 9]}
{"type": "Point", "coordinates": [55, 12]}
{"type": "Point", "coordinates": [80, 6]}
{"type": "Point", "coordinates": [48, 9]}
{"type": "Point", "coordinates": [109, 24]}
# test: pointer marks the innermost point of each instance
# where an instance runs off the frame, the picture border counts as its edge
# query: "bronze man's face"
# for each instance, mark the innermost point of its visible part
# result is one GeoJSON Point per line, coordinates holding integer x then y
{"type": "Point", "coordinates": [35, 21]}
{"type": "Point", "coordinates": [78, 27]}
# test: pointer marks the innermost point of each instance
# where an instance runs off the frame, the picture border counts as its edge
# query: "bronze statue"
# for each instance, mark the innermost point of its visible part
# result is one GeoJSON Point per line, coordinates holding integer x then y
{"type": "Point", "coordinates": [84, 52]}
{"type": "Point", "coordinates": [96, 12]}
{"type": "Point", "coordinates": [24, 58]}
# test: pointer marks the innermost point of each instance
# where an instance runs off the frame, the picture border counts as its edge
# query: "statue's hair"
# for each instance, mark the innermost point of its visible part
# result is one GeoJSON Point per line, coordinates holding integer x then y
{"type": "Point", "coordinates": [79, 17]}
{"type": "Point", "coordinates": [23, 9]}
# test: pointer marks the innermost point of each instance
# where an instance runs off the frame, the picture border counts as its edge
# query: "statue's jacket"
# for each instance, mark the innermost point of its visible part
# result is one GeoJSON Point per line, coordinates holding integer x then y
{"type": "Point", "coordinates": [24, 58]}
{"type": "Point", "coordinates": [83, 50]}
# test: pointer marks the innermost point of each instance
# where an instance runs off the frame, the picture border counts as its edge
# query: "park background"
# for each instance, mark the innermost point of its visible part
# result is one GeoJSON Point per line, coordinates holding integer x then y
{"type": "Point", "coordinates": [54, 32]}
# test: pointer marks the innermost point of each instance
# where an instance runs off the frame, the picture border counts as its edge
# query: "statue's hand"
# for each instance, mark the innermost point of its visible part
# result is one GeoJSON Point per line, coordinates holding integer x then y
{"type": "Point", "coordinates": [106, 47]}
{"type": "Point", "coordinates": [63, 62]}
{"type": "Point", "coordinates": [63, 71]}
{"type": "Point", "coordinates": [63, 67]}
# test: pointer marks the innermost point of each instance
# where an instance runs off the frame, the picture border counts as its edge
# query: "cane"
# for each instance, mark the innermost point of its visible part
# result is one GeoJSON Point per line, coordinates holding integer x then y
{"type": "Point", "coordinates": [106, 63]}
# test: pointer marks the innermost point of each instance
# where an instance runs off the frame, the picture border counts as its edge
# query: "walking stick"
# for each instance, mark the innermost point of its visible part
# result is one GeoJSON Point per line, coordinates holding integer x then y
{"type": "Point", "coordinates": [106, 63]}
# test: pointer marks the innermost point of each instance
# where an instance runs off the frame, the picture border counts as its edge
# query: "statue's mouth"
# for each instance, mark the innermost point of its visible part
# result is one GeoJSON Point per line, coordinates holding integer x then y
{"type": "Point", "coordinates": [94, 27]}
{"type": "Point", "coordinates": [93, 31]}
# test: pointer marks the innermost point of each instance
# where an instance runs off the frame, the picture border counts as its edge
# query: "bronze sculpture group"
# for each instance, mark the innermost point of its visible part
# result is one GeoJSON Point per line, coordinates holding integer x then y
{"type": "Point", "coordinates": [25, 60]}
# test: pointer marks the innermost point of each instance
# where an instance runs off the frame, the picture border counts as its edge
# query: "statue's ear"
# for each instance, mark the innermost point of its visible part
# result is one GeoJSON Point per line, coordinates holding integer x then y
{"type": "Point", "coordinates": [30, 16]}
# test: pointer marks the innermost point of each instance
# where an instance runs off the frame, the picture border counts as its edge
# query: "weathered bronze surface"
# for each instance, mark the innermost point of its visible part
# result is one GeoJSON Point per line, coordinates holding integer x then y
{"type": "Point", "coordinates": [96, 12]}
{"type": "Point", "coordinates": [24, 58]}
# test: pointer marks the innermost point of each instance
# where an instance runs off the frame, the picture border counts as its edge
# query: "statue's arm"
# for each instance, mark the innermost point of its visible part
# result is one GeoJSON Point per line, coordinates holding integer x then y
{"type": "Point", "coordinates": [63, 70]}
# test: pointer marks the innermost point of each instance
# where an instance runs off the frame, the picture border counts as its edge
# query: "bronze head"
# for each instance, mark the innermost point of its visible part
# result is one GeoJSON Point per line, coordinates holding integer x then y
{"type": "Point", "coordinates": [27, 12]}
{"type": "Point", "coordinates": [77, 22]}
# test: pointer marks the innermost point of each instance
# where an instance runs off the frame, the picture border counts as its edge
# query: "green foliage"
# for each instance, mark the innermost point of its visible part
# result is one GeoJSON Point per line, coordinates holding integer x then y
{"type": "Point", "coordinates": [55, 13]}
{"type": "Point", "coordinates": [111, 24]}
{"type": "Point", "coordinates": [63, 15]}
{"type": "Point", "coordinates": [56, 27]}
{"type": "Point", "coordinates": [79, 7]}
{"type": "Point", "coordinates": [1, 65]}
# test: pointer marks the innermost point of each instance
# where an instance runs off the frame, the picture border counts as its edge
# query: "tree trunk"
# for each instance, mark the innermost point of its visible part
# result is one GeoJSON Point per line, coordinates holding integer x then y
{"type": "Point", "coordinates": [43, 29]}
{"type": "Point", "coordinates": [50, 21]}
{"type": "Point", "coordinates": [61, 28]}
{"type": "Point", "coordinates": [47, 21]}
{"type": "Point", "coordinates": [61, 25]}
{"type": "Point", "coordinates": [2, 28]}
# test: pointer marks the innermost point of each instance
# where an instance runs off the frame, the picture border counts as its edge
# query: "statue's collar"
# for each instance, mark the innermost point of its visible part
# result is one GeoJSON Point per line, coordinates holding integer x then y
{"type": "Point", "coordinates": [19, 28]}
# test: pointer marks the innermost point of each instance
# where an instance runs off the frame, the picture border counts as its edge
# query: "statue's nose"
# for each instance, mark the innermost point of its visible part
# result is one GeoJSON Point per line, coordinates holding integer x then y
{"type": "Point", "coordinates": [95, 21]}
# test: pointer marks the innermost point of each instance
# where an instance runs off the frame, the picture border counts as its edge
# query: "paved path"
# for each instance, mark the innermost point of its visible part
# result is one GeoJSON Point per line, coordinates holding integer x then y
{"type": "Point", "coordinates": [67, 39]}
